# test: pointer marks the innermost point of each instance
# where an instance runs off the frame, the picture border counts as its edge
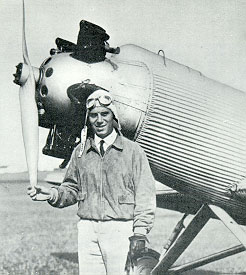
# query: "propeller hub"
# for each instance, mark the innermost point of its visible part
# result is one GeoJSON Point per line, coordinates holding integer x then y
{"type": "Point", "coordinates": [22, 73]}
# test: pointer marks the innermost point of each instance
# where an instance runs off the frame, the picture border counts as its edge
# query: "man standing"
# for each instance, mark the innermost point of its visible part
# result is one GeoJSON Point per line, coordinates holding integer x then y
{"type": "Point", "coordinates": [110, 178]}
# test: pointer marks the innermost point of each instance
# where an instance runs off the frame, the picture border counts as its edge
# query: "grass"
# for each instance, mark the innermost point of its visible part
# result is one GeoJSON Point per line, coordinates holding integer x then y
{"type": "Point", "coordinates": [37, 239]}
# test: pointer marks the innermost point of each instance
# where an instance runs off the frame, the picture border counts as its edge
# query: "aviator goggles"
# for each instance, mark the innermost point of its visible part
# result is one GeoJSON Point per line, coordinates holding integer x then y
{"type": "Point", "coordinates": [104, 100]}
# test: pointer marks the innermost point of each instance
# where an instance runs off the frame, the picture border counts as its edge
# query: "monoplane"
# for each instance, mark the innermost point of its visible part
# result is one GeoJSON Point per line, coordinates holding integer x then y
{"type": "Point", "coordinates": [192, 129]}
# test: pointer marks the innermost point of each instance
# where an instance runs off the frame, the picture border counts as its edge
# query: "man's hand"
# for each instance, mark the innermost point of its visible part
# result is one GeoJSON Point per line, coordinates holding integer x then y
{"type": "Point", "coordinates": [137, 244]}
{"type": "Point", "coordinates": [40, 193]}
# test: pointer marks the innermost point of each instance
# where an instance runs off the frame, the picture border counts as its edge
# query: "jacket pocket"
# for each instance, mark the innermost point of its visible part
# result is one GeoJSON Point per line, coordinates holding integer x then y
{"type": "Point", "coordinates": [81, 196]}
{"type": "Point", "coordinates": [126, 199]}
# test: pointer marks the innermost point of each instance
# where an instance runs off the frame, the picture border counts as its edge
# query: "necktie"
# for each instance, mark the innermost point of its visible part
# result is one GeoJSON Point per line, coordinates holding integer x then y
{"type": "Point", "coordinates": [101, 148]}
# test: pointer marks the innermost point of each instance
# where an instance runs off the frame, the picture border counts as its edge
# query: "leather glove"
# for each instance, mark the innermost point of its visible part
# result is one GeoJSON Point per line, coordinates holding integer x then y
{"type": "Point", "coordinates": [137, 244]}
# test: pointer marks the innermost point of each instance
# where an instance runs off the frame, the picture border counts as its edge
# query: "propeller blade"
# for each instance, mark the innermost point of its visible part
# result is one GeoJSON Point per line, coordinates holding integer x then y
{"type": "Point", "coordinates": [29, 115]}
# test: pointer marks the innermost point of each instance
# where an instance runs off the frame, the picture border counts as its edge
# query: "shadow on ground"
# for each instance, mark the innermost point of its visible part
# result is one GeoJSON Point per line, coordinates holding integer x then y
{"type": "Point", "coordinates": [72, 257]}
{"type": "Point", "coordinates": [209, 272]}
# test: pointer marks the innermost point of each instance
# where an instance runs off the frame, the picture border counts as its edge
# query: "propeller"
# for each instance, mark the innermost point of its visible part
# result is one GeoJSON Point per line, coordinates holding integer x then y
{"type": "Point", "coordinates": [29, 114]}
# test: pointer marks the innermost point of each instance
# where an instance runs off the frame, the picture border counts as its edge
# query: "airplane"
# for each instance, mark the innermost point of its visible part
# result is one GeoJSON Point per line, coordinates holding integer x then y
{"type": "Point", "coordinates": [191, 128]}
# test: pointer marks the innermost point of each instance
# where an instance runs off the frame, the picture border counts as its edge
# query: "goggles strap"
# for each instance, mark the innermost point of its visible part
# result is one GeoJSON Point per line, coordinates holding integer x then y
{"type": "Point", "coordinates": [83, 137]}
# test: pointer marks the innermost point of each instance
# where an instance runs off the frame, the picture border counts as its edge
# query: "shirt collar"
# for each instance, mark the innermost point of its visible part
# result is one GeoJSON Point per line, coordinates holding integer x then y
{"type": "Point", "coordinates": [109, 140]}
{"type": "Point", "coordinates": [118, 143]}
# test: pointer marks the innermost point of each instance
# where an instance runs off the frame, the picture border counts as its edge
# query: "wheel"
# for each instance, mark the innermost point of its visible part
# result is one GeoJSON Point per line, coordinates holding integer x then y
{"type": "Point", "coordinates": [146, 262]}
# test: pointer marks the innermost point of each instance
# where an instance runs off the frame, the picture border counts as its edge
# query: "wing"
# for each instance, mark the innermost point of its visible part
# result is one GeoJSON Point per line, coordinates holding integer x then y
{"type": "Point", "coordinates": [171, 199]}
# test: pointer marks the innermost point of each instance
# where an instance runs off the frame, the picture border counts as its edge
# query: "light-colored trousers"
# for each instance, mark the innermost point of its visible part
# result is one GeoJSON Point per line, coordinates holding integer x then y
{"type": "Point", "coordinates": [103, 246]}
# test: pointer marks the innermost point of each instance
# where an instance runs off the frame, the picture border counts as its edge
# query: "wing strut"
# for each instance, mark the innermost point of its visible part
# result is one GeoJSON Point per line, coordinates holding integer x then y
{"type": "Point", "coordinates": [173, 252]}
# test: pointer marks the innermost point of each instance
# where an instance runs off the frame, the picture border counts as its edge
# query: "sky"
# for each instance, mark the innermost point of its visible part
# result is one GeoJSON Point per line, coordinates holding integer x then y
{"type": "Point", "coordinates": [206, 35]}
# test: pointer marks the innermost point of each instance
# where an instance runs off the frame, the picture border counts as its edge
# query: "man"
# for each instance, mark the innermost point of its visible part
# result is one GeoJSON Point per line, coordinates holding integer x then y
{"type": "Point", "coordinates": [110, 178]}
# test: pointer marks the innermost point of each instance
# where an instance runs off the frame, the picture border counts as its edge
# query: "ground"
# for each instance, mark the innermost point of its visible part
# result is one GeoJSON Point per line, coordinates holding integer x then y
{"type": "Point", "coordinates": [37, 239]}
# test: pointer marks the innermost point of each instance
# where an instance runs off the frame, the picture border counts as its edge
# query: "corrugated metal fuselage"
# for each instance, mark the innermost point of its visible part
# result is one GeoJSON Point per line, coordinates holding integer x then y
{"type": "Point", "coordinates": [193, 130]}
